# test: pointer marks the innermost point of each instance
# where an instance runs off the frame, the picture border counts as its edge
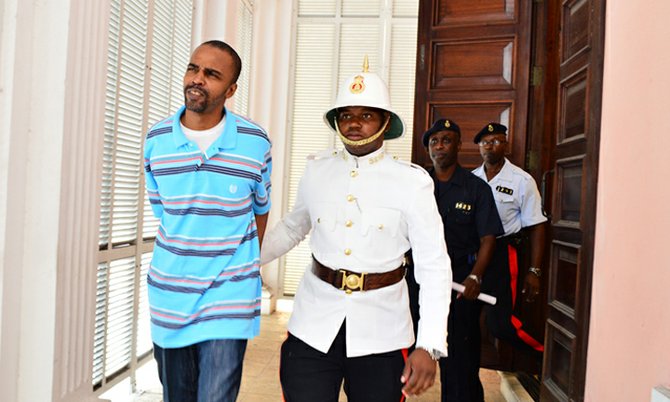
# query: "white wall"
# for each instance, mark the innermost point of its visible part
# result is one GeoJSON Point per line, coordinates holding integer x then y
{"type": "Point", "coordinates": [269, 101]}
{"type": "Point", "coordinates": [33, 58]}
{"type": "Point", "coordinates": [51, 103]}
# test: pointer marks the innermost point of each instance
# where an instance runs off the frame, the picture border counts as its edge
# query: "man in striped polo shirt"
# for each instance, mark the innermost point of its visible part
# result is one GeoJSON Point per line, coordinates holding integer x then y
{"type": "Point", "coordinates": [208, 180]}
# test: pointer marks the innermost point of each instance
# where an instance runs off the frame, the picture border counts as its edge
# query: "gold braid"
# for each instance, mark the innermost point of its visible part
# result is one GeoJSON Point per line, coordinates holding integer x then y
{"type": "Point", "coordinates": [364, 141]}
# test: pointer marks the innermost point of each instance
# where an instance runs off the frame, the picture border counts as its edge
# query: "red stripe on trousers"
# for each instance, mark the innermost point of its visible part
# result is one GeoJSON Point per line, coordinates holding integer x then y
{"type": "Point", "coordinates": [516, 323]}
{"type": "Point", "coordinates": [405, 354]}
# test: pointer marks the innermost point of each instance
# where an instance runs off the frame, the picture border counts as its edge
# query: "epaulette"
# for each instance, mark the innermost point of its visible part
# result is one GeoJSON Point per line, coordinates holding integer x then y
{"type": "Point", "coordinates": [327, 153]}
{"type": "Point", "coordinates": [404, 162]}
{"type": "Point", "coordinates": [396, 158]}
{"type": "Point", "coordinates": [409, 164]}
{"type": "Point", "coordinates": [419, 168]}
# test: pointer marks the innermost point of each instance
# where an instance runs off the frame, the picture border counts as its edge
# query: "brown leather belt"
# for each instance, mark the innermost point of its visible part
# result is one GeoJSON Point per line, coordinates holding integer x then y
{"type": "Point", "coordinates": [350, 281]}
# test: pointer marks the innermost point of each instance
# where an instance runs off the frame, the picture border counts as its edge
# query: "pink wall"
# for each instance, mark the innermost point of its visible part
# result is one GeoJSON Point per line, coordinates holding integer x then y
{"type": "Point", "coordinates": [629, 342]}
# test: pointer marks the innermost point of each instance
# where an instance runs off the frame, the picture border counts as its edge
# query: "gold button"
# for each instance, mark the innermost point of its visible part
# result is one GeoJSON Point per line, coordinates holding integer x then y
{"type": "Point", "coordinates": [334, 153]}
{"type": "Point", "coordinates": [347, 251]}
{"type": "Point", "coordinates": [350, 198]}
{"type": "Point", "coordinates": [348, 224]}
{"type": "Point", "coordinates": [380, 227]}
{"type": "Point", "coordinates": [353, 173]}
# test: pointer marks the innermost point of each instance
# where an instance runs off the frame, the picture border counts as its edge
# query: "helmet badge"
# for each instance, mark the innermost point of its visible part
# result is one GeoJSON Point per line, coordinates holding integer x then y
{"type": "Point", "coordinates": [358, 85]}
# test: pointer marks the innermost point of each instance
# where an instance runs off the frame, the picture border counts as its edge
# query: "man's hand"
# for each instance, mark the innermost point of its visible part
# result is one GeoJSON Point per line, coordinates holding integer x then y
{"type": "Point", "coordinates": [419, 373]}
{"type": "Point", "coordinates": [471, 289]}
{"type": "Point", "coordinates": [531, 287]}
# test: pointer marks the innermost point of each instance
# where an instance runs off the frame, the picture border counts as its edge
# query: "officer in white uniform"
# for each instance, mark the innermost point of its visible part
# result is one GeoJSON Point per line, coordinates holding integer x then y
{"type": "Point", "coordinates": [520, 207]}
{"type": "Point", "coordinates": [351, 318]}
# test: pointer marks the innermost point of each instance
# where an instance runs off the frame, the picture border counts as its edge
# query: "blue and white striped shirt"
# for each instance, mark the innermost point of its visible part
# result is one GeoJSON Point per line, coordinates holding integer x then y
{"type": "Point", "coordinates": [204, 280]}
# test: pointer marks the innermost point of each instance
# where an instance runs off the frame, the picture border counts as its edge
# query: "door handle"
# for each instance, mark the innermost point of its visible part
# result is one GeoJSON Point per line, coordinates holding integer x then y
{"type": "Point", "coordinates": [543, 192]}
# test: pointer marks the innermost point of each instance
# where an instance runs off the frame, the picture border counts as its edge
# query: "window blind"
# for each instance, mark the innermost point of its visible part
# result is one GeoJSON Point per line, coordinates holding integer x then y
{"type": "Point", "coordinates": [149, 47]}
{"type": "Point", "coordinates": [245, 29]}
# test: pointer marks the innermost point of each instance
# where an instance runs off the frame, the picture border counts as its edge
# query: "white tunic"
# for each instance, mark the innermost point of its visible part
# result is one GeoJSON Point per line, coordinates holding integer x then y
{"type": "Point", "coordinates": [365, 213]}
{"type": "Point", "coordinates": [517, 198]}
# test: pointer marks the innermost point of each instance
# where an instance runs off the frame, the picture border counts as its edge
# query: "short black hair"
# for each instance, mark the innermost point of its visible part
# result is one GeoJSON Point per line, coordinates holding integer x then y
{"type": "Point", "coordinates": [237, 62]}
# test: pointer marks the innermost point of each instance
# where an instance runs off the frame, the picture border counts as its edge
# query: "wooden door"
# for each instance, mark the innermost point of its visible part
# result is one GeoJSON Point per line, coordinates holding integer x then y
{"type": "Point", "coordinates": [575, 36]}
{"type": "Point", "coordinates": [473, 67]}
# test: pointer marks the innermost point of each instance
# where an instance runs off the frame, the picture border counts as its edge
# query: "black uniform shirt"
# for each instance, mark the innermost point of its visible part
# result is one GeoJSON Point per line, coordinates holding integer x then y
{"type": "Point", "coordinates": [468, 212]}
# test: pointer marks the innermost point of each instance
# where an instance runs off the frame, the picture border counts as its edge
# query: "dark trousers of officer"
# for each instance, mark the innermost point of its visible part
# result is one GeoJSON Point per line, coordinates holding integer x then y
{"type": "Point", "coordinates": [308, 375]}
{"type": "Point", "coordinates": [459, 371]}
{"type": "Point", "coordinates": [503, 278]}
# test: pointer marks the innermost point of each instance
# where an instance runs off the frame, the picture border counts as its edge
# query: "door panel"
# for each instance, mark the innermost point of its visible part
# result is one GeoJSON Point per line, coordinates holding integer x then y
{"type": "Point", "coordinates": [487, 67]}
{"type": "Point", "coordinates": [573, 157]}
{"type": "Point", "coordinates": [464, 11]}
{"type": "Point", "coordinates": [473, 67]}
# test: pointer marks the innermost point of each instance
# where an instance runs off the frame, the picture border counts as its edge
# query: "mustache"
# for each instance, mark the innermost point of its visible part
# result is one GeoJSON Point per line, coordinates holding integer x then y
{"type": "Point", "coordinates": [198, 87]}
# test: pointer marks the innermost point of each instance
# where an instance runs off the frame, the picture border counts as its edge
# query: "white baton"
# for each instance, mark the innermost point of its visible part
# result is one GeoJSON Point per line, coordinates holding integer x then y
{"type": "Point", "coordinates": [482, 296]}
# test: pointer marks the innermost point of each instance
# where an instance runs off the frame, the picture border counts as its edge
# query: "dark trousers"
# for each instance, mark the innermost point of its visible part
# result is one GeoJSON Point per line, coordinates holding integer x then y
{"type": "Point", "coordinates": [459, 372]}
{"type": "Point", "coordinates": [209, 371]}
{"type": "Point", "coordinates": [505, 280]}
{"type": "Point", "coordinates": [308, 375]}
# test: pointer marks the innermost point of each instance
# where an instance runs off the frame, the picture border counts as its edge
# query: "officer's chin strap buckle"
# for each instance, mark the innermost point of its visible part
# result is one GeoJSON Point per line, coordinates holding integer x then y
{"type": "Point", "coordinates": [351, 281]}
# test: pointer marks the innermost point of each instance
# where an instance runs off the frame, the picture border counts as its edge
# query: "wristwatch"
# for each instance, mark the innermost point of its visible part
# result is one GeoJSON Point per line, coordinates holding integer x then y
{"type": "Point", "coordinates": [475, 278]}
{"type": "Point", "coordinates": [535, 271]}
{"type": "Point", "coordinates": [434, 354]}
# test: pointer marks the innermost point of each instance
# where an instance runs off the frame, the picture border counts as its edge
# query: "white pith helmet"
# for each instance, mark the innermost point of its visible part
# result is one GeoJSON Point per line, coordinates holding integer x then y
{"type": "Point", "coordinates": [366, 89]}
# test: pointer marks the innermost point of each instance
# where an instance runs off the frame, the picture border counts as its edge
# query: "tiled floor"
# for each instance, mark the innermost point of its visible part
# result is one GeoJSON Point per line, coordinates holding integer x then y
{"type": "Point", "coordinates": [260, 381]}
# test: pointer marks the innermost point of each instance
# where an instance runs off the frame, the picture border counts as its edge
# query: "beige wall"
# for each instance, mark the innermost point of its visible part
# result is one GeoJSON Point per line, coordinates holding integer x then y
{"type": "Point", "coordinates": [629, 342]}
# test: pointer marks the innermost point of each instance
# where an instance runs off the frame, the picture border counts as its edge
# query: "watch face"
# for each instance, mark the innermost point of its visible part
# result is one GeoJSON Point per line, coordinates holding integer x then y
{"type": "Point", "coordinates": [432, 353]}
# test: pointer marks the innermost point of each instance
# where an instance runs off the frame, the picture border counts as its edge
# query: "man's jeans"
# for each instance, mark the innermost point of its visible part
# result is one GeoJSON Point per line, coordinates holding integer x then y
{"type": "Point", "coordinates": [209, 371]}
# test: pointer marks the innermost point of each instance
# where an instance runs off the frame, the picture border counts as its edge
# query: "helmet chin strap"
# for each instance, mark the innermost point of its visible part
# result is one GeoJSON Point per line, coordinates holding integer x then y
{"type": "Point", "coordinates": [364, 141]}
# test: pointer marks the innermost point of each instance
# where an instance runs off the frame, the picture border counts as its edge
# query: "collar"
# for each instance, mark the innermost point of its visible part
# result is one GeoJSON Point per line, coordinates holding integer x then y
{"type": "Point", "coordinates": [458, 178]}
{"type": "Point", "coordinates": [227, 140]}
{"type": "Point", "coordinates": [502, 172]}
{"type": "Point", "coordinates": [506, 168]}
{"type": "Point", "coordinates": [366, 160]}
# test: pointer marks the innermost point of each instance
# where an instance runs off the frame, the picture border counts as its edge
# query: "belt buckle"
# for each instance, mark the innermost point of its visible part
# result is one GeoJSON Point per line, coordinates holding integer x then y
{"type": "Point", "coordinates": [351, 281]}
